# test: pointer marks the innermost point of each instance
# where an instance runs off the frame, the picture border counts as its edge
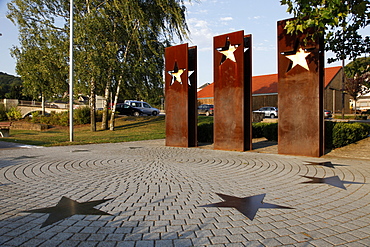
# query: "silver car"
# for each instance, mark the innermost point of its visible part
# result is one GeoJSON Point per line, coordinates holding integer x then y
{"type": "Point", "coordinates": [143, 106]}
{"type": "Point", "coordinates": [271, 112]}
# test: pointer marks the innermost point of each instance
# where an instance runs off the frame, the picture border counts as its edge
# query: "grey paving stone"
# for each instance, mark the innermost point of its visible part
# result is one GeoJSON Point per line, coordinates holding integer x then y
{"type": "Point", "coordinates": [219, 240]}
{"type": "Point", "coordinates": [144, 243]}
{"type": "Point", "coordinates": [182, 242]}
{"type": "Point", "coordinates": [163, 243]}
{"type": "Point", "coordinates": [126, 244]}
{"type": "Point", "coordinates": [69, 243]}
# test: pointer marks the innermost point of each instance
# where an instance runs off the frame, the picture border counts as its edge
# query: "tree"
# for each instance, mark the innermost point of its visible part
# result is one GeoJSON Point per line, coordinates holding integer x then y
{"type": "Point", "coordinates": [355, 87]}
{"type": "Point", "coordinates": [112, 39]}
{"type": "Point", "coordinates": [41, 57]}
{"type": "Point", "coordinates": [357, 68]}
{"type": "Point", "coordinates": [339, 20]}
{"type": "Point", "coordinates": [10, 87]}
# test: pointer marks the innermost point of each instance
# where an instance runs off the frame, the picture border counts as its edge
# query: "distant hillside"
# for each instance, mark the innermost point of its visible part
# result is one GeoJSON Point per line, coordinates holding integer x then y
{"type": "Point", "coordinates": [10, 86]}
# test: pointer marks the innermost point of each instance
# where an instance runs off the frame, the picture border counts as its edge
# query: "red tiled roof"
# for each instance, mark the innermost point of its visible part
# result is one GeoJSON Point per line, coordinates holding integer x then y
{"type": "Point", "coordinates": [266, 84]}
{"type": "Point", "coordinates": [330, 73]}
{"type": "Point", "coordinates": [206, 92]}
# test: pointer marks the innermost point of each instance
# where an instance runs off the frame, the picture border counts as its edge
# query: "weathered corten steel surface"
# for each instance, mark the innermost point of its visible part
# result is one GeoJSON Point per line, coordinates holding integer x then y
{"type": "Point", "coordinates": [301, 74]}
{"type": "Point", "coordinates": [180, 91]}
{"type": "Point", "coordinates": [232, 92]}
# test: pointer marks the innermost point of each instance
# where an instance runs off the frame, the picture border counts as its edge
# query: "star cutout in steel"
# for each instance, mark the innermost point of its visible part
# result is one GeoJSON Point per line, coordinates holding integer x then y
{"type": "Point", "coordinates": [245, 205]}
{"type": "Point", "coordinates": [190, 73]}
{"type": "Point", "coordinates": [67, 207]}
{"type": "Point", "coordinates": [176, 74]}
{"type": "Point", "coordinates": [228, 51]}
{"type": "Point", "coordinates": [333, 181]}
{"type": "Point", "coordinates": [299, 58]}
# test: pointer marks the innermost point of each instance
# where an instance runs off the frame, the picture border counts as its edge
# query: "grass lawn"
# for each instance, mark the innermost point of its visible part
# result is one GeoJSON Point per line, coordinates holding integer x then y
{"type": "Point", "coordinates": [127, 129]}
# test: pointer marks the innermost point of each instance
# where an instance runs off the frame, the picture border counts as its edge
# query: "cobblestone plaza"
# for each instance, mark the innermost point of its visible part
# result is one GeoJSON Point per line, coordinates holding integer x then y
{"type": "Point", "coordinates": [147, 194]}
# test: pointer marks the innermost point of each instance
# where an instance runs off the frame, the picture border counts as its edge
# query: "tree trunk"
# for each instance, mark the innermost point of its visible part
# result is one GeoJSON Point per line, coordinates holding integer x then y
{"type": "Point", "coordinates": [104, 123]}
{"type": "Point", "coordinates": [111, 127]}
{"type": "Point", "coordinates": [42, 104]}
{"type": "Point", "coordinates": [92, 105]}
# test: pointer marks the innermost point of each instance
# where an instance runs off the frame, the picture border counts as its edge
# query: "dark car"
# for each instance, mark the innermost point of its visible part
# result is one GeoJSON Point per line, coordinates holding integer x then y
{"type": "Point", "coordinates": [125, 109]}
{"type": "Point", "coordinates": [206, 109]}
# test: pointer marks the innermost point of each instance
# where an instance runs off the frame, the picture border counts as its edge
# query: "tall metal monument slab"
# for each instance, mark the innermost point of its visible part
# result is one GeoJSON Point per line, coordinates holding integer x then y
{"type": "Point", "coordinates": [301, 78]}
{"type": "Point", "coordinates": [181, 96]}
{"type": "Point", "coordinates": [233, 91]}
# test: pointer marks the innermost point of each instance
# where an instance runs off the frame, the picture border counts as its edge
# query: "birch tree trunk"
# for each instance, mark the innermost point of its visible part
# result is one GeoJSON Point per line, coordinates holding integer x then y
{"type": "Point", "coordinates": [92, 105]}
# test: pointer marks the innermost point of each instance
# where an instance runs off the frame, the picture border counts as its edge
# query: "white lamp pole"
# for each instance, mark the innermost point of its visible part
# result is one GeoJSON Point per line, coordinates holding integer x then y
{"type": "Point", "coordinates": [71, 72]}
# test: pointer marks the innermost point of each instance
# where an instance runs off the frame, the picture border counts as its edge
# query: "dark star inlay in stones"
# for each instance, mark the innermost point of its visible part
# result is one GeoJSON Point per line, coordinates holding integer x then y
{"type": "Point", "coordinates": [333, 181]}
{"type": "Point", "coordinates": [326, 164]}
{"type": "Point", "coordinates": [67, 207]}
{"type": "Point", "coordinates": [25, 157]}
{"type": "Point", "coordinates": [245, 205]}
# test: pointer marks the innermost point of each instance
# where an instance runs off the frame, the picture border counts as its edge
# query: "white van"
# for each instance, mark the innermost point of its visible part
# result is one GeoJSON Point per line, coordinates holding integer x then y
{"type": "Point", "coordinates": [143, 106]}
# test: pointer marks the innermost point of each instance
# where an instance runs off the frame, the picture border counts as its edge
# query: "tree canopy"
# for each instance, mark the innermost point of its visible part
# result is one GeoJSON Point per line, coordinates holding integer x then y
{"type": "Point", "coordinates": [10, 86]}
{"type": "Point", "coordinates": [339, 20]}
{"type": "Point", "coordinates": [119, 44]}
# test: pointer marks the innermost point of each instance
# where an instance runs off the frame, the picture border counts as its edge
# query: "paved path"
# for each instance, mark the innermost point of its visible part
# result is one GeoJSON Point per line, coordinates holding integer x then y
{"type": "Point", "coordinates": [155, 193]}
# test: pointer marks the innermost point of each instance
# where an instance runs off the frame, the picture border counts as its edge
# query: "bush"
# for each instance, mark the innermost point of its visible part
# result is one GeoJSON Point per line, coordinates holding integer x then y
{"type": "Point", "coordinates": [347, 133]}
{"type": "Point", "coordinates": [3, 116]}
{"type": "Point", "coordinates": [258, 129]}
{"type": "Point", "coordinates": [271, 131]}
{"type": "Point", "coordinates": [81, 115]}
{"type": "Point", "coordinates": [205, 132]}
{"type": "Point", "coordinates": [14, 114]}
{"type": "Point", "coordinates": [329, 125]}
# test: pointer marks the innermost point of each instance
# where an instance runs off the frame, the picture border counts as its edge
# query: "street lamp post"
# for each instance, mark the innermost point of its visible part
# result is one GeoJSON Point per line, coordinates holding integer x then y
{"type": "Point", "coordinates": [71, 72]}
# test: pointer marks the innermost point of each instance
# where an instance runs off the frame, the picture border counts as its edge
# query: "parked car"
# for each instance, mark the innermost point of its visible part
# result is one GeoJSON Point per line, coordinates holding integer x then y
{"type": "Point", "coordinates": [327, 114]}
{"type": "Point", "coordinates": [143, 106]}
{"type": "Point", "coordinates": [271, 112]}
{"type": "Point", "coordinates": [206, 109]}
{"type": "Point", "coordinates": [125, 109]}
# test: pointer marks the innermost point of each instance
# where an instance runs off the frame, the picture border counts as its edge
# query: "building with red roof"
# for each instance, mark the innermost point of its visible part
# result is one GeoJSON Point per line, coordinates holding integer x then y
{"type": "Point", "coordinates": [265, 91]}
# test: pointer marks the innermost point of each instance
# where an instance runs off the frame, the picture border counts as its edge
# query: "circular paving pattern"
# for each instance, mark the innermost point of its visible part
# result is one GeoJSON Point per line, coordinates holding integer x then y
{"type": "Point", "coordinates": [147, 194]}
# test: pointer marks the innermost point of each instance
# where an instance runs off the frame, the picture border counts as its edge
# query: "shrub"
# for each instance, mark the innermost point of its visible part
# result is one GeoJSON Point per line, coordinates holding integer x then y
{"type": "Point", "coordinates": [258, 129]}
{"type": "Point", "coordinates": [205, 132]}
{"type": "Point", "coordinates": [347, 133]}
{"type": "Point", "coordinates": [329, 125]}
{"type": "Point", "coordinates": [14, 114]}
{"type": "Point", "coordinates": [271, 131]}
{"type": "Point", "coordinates": [3, 116]}
{"type": "Point", "coordinates": [81, 115]}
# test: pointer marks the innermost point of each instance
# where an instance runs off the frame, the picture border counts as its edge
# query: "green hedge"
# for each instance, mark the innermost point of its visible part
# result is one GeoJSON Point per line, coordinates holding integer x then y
{"type": "Point", "coordinates": [336, 134]}
{"type": "Point", "coordinates": [268, 130]}
{"type": "Point", "coordinates": [347, 133]}
{"type": "Point", "coordinates": [205, 132]}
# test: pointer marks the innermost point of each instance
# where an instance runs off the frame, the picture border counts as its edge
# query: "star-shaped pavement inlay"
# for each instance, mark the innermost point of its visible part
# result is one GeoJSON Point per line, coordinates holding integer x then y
{"type": "Point", "coordinates": [67, 207]}
{"type": "Point", "coordinates": [176, 74]}
{"type": "Point", "coordinates": [333, 181]}
{"type": "Point", "coordinates": [228, 51]}
{"type": "Point", "coordinates": [245, 205]}
{"type": "Point", "coordinates": [25, 157]}
{"type": "Point", "coordinates": [327, 164]}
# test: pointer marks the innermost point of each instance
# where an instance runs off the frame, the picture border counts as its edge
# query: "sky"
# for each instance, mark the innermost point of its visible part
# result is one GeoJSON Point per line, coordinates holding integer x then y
{"type": "Point", "coordinates": [206, 19]}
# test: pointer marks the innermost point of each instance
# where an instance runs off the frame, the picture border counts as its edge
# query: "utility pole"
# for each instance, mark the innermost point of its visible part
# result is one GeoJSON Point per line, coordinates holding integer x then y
{"type": "Point", "coordinates": [71, 72]}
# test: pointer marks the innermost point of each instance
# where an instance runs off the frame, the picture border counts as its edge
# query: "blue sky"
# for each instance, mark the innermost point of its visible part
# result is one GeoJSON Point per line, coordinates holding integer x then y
{"type": "Point", "coordinates": [206, 19]}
